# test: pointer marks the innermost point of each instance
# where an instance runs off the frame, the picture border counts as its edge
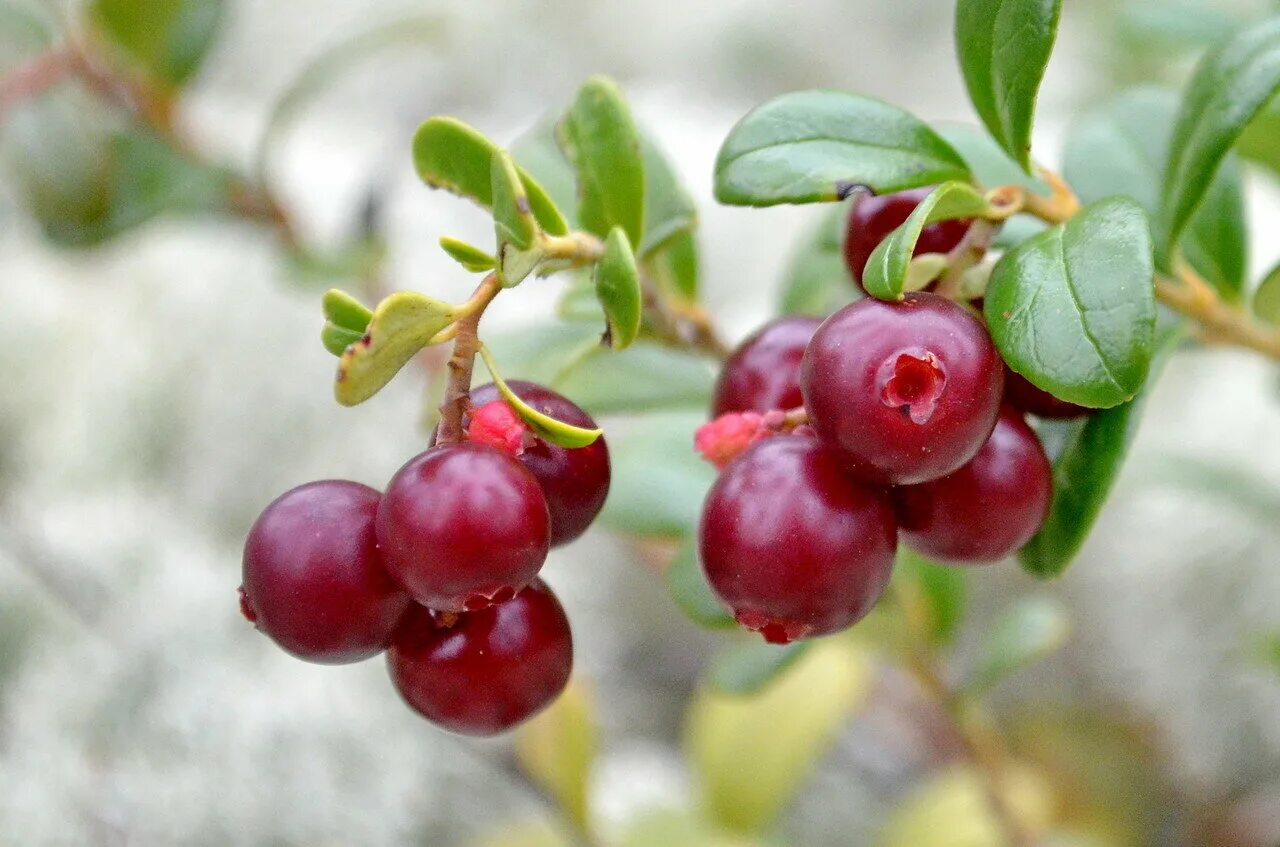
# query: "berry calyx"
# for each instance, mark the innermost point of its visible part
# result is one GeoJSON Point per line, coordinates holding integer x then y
{"type": "Point", "coordinates": [312, 578]}
{"type": "Point", "coordinates": [575, 481]}
{"type": "Point", "coordinates": [483, 672]}
{"type": "Point", "coordinates": [791, 544]}
{"type": "Point", "coordinates": [497, 425]}
{"type": "Point", "coordinates": [873, 217]}
{"type": "Point", "coordinates": [462, 526]}
{"type": "Point", "coordinates": [763, 373]}
{"type": "Point", "coordinates": [905, 392]}
{"type": "Point", "coordinates": [988, 508]}
{"type": "Point", "coordinates": [721, 441]}
{"type": "Point", "coordinates": [1020, 393]}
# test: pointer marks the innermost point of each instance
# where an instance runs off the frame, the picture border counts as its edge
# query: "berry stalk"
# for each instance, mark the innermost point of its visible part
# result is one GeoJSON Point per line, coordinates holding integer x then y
{"type": "Point", "coordinates": [466, 345]}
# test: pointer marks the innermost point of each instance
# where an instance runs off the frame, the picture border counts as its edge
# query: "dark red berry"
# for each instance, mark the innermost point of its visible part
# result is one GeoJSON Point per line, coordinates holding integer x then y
{"type": "Point", "coordinates": [791, 544]}
{"type": "Point", "coordinates": [480, 673]}
{"type": "Point", "coordinates": [1023, 395]}
{"type": "Point", "coordinates": [987, 509]}
{"type": "Point", "coordinates": [313, 581]}
{"type": "Point", "coordinates": [764, 371]}
{"type": "Point", "coordinates": [463, 525]}
{"type": "Point", "coordinates": [874, 217]}
{"type": "Point", "coordinates": [574, 480]}
{"type": "Point", "coordinates": [906, 391]}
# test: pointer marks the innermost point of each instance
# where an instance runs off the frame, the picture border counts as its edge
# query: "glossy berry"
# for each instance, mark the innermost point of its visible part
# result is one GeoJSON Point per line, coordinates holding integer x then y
{"type": "Point", "coordinates": [1021, 394]}
{"type": "Point", "coordinates": [873, 217]}
{"type": "Point", "coordinates": [312, 578]}
{"type": "Point", "coordinates": [793, 545]}
{"type": "Point", "coordinates": [987, 509]}
{"type": "Point", "coordinates": [575, 480]}
{"type": "Point", "coordinates": [906, 391]}
{"type": "Point", "coordinates": [764, 371]}
{"type": "Point", "coordinates": [480, 673]}
{"type": "Point", "coordinates": [462, 525]}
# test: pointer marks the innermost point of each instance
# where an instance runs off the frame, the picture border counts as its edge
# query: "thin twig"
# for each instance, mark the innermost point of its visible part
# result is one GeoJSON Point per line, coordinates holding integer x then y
{"type": "Point", "coordinates": [466, 344]}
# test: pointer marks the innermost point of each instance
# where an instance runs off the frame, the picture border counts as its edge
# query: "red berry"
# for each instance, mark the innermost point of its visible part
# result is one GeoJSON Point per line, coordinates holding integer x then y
{"type": "Point", "coordinates": [764, 371]}
{"type": "Point", "coordinates": [480, 673]}
{"type": "Point", "coordinates": [722, 440]}
{"type": "Point", "coordinates": [906, 391]}
{"type": "Point", "coordinates": [498, 425]}
{"type": "Point", "coordinates": [463, 525]}
{"type": "Point", "coordinates": [1036, 401]}
{"type": "Point", "coordinates": [987, 509]}
{"type": "Point", "coordinates": [312, 578]}
{"type": "Point", "coordinates": [792, 545]}
{"type": "Point", "coordinates": [874, 217]}
{"type": "Point", "coordinates": [575, 481]}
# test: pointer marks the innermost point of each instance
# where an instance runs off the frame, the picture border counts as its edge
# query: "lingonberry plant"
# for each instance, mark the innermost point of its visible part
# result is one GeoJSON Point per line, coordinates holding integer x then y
{"type": "Point", "coordinates": [966, 346]}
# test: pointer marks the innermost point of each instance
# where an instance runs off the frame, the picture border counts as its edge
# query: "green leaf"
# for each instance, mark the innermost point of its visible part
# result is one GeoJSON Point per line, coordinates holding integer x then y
{"type": "Point", "coordinates": [659, 482]}
{"type": "Point", "coordinates": [618, 287]}
{"type": "Point", "coordinates": [1266, 299]}
{"type": "Point", "coordinates": [751, 754]}
{"type": "Point", "coordinates": [1229, 87]}
{"type": "Point", "coordinates": [941, 591]}
{"type": "Point", "coordinates": [468, 255]}
{"type": "Point", "coordinates": [558, 747]}
{"type": "Point", "coordinates": [1084, 469]}
{"type": "Point", "coordinates": [402, 325]}
{"type": "Point", "coordinates": [544, 426]}
{"type": "Point", "coordinates": [674, 267]}
{"type": "Point", "coordinates": [817, 280]}
{"type": "Point", "coordinates": [337, 339]}
{"type": "Point", "coordinates": [1004, 47]}
{"type": "Point", "coordinates": [668, 208]}
{"type": "Point", "coordinates": [1073, 308]}
{"type": "Point", "coordinates": [887, 267]}
{"type": "Point", "coordinates": [343, 310]}
{"type": "Point", "coordinates": [600, 139]}
{"type": "Point", "coordinates": [815, 146]}
{"type": "Point", "coordinates": [539, 153]}
{"type": "Point", "coordinates": [166, 37]}
{"type": "Point", "coordinates": [449, 154]}
{"type": "Point", "coordinates": [643, 377]}
{"type": "Point", "coordinates": [1167, 25]}
{"type": "Point", "coordinates": [689, 588]}
{"type": "Point", "coordinates": [1120, 148]}
{"type": "Point", "coordinates": [1035, 627]}
{"type": "Point", "coordinates": [751, 665]}
{"type": "Point", "coordinates": [513, 224]}
{"type": "Point", "coordinates": [989, 163]}
{"type": "Point", "coordinates": [1260, 141]}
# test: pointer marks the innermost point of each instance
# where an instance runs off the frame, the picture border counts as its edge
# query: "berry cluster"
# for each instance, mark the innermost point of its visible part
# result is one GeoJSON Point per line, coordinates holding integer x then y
{"type": "Point", "coordinates": [899, 420]}
{"type": "Point", "coordinates": [441, 569]}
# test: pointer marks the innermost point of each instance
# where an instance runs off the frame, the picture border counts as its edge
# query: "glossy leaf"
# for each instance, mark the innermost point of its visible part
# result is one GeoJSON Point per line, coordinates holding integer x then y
{"type": "Point", "coordinates": [659, 482]}
{"type": "Point", "coordinates": [815, 146]}
{"type": "Point", "coordinates": [449, 154]}
{"type": "Point", "coordinates": [689, 588]}
{"type": "Point", "coordinates": [1004, 47]}
{"type": "Point", "coordinates": [600, 139]}
{"type": "Point", "coordinates": [887, 267]}
{"type": "Point", "coordinates": [166, 37]}
{"type": "Point", "coordinates": [468, 255]}
{"type": "Point", "coordinates": [617, 284]}
{"type": "Point", "coordinates": [1266, 299]}
{"type": "Point", "coordinates": [668, 208]}
{"type": "Point", "coordinates": [1229, 87]}
{"type": "Point", "coordinates": [751, 665]}
{"type": "Point", "coordinates": [558, 748]}
{"type": "Point", "coordinates": [543, 425]}
{"type": "Point", "coordinates": [1073, 309]}
{"type": "Point", "coordinates": [817, 280]}
{"type": "Point", "coordinates": [674, 267]}
{"type": "Point", "coordinates": [939, 590]}
{"type": "Point", "coordinates": [402, 325]}
{"type": "Point", "coordinates": [1035, 627]}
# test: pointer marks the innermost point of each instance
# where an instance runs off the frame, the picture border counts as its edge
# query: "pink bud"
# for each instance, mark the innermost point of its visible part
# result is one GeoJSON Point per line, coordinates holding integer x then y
{"type": "Point", "coordinates": [721, 440]}
{"type": "Point", "coordinates": [497, 425]}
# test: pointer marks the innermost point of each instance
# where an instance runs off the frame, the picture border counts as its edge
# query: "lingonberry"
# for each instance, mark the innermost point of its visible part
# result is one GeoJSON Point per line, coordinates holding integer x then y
{"type": "Point", "coordinates": [312, 578]}
{"type": "Point", "coordinates": [575, 480]}
{"type": "Point", "coordinates": [791, 544]}
{"type": "Point", "coordinates": [483, 672]}
{"type": "Point", "coordinates": [1020, 393]}
{"type": "Point", "coordinates": [987, 509]}
{"type": "Point", "coordinates": [463, 525]}
{"type": "Point", "coordinates": [874, 217]}
{"type": "Point", "coordinates": [764, 371]}
{"type": "Point", "coordinates": [905, 391]}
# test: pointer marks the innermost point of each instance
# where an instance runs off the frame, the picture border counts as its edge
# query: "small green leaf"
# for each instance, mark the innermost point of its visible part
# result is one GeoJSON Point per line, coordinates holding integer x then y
{"type": "Point", "coordinates": [1004, 47]}
{"type": "Point", "coordinates": [166, 37]}
{"type": "Point", "coordinates": [1228, 88]}
{"type": "Point", "coordinates": [691, 592]}
{"type": "Point", "coordinates": [941, 591]}
{"type": "Point", "coordinates": [1034, 628]}
{"type": "Point", "coordinates": [539, 153]}
{"type": "Point", "coordinates": [815, 146]}
{"type": "Point", "coordinates": [750, 665]}
{"type": "Point", "coordinates": [345, 311]}
{"type": "Point", "coordinates": [558, 748]}
{"type": "Point", "coordinates": [600, 139]}
{"type": "Point", "coordinates": [887, 267]}
{"type": "Point", "coordinates": [1260, 141]}
{"type": "Point", "coordinates": [402, 325]}
{"type": "Point", "coordinates": [512, 219]}
{"type": "Point", "coordinates": [674, 267]}
{"type": "Point", "coordinates": [337, 339]}
{"type": "Point", "coordinates": [468, 255]}
{"type": "Point", "coordinates": [618, 287]}
{"type": "Point", "coordinates": [817, 280]}
{"type": "Point", "coordinates": [668, 208]}
{"type": "Point", "coordinates": [659, 482]}
{"type": "Point", "coordinates": [544, 426]}
{"type": "Point", "coordinates": [1266, 300]}
{"type": "Point", "coordinates": [449, 154]}
{"type": "Point", "coordinates": [1073, 308]}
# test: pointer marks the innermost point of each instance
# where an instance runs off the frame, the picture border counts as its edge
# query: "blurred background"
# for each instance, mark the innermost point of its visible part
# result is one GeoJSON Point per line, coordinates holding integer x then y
{"type": "Point", "coordinates": [163, 384]}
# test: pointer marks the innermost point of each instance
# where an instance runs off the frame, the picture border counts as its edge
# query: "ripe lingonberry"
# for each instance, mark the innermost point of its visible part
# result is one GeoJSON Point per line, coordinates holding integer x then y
{"type": "Point", "coordinates": [987, 509]}
{"type": "Point", "coordinates": [764, 371]}
{"type": "Point", "coordinates": [905, 392]}
{"type": "Point", "coordinates": [463, 525]}
{"type": "Point", "coordinates": [1021, 394]}
{"type": "Point", "coordinates": [575, 480]}
{"type": "Point", "coordinates": [873, 217]}
{"type": "Point", "coordinates": [791, 544]}
{"type": "Point", "coordinates": [313, 581]}
{"type": "Point", "coordinates": [480, 673]}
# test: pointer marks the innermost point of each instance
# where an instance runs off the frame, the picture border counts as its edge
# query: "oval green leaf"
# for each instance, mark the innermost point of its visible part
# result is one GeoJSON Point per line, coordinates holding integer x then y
{"type": "Point", "coordinates": [1073, 308]}
{"type": "Point", "coordinates": [888, 265]}
{"type": "Point", "coordinates": [816, 146]}
{"type": "Point", "coordinates": [1266, 300]}
{"type": "Point", "coordinates": [341, 309]}
{"type": "Point", "coordinates": [1032, 629]}
{"type": "Point", "coordinates": [166, 37]}
{"type": "Point", "coordinates": [337, 339]}
{"type": "Point", "coordinates": [1004, 47]}
{"type": "Point", "coordinates": [691, 592]}
{"type": "Point", "coordinates": [668, 208]}
{"type": "Point", "coordinates": [402, 325]}
{"type": "Point", "coordinates": [673, 267]}
{"type": "Point", "coordinates": [544, 426]}
{"type": "Point", "coordinates": [468, 255]}
{"type": "Point", "coordinates": [1228, 88]}
{"type": "Point", "coordinates": [512, 219]}
{"type": "Point", "coordinates": [618, 287]}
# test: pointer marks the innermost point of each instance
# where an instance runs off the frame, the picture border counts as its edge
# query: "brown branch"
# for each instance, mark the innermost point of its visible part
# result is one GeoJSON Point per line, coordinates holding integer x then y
{"type": "Point", "coordinates": [466, 344]}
